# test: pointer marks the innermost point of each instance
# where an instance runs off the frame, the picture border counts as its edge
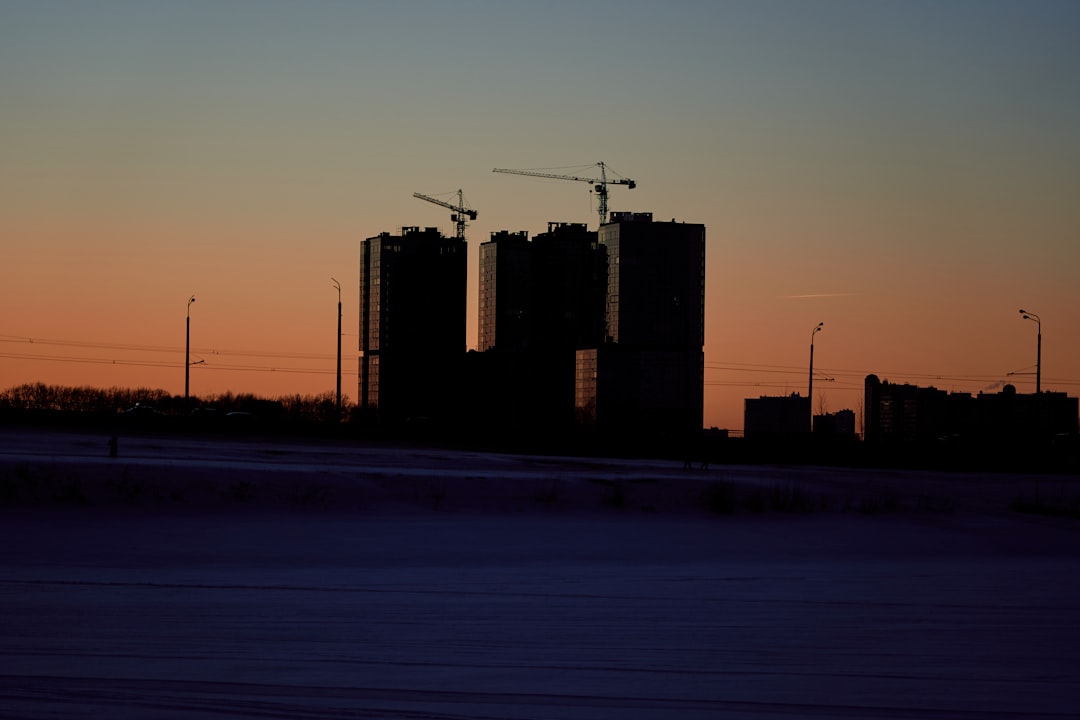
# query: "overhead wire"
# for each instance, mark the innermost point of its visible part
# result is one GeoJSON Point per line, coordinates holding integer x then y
{"type": "Point", "coordinates": [199, 367]}
{"type": "Point", "coordinates": [125, 349]}
{"type": "Point", "coordinates": [858, 376]}
{"type": "Point", "coordinates": [838, 378]}
{"type": "Point", "coordinates": [164, 348]}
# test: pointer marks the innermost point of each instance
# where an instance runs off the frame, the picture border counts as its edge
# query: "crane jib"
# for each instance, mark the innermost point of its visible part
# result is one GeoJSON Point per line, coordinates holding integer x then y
{"type": "Point", "coordinates": [599, 184]}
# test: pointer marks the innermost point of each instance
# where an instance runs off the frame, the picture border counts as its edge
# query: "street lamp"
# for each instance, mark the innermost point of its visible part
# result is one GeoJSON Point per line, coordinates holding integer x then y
{"type": "Point", "coordinates": [810, 384]}
{"type": "Point", "coordinates": [187, 352]}
{"type": "Point", "coordinates": [338, 286]}
{"type": "Point", "coordinates": [1038, 349]}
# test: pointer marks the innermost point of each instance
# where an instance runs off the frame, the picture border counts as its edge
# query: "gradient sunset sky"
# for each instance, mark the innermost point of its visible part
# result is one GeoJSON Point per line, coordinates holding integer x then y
{"type": "Point", "coordinates": [907, 173]}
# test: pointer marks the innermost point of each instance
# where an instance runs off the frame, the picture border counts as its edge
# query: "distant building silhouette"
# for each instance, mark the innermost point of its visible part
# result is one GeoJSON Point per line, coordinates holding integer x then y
{"type": "Point", "coordinates": [908, 412]}
{"type": "Point", "coordinates": [539, 302]}
{"type": "Point", "coordinates": [647, 378]}
{"type": "Point", "coordinates": [412, 323]}
{"type": "Point", "coordinates": [912, 413]}
{"type": "Point", "coordinates": [841, 422]}
{"type": "Point", "coordinates": [773, 417]}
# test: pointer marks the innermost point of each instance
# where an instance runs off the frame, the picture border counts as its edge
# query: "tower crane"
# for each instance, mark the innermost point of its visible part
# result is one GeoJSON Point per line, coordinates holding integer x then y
{"type": "Point", "coordinates": [461, 213]}
{"type": "Point", "coordinates": [600, 184]}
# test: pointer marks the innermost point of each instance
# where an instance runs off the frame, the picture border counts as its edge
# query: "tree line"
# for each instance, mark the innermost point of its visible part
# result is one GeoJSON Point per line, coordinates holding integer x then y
{"type": "Point", "coordinates": [39, 398]}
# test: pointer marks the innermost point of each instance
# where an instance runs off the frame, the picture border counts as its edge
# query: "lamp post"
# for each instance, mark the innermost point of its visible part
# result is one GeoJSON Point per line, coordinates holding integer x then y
{"type": "Point", "coordinates": [1028, 315]}
{"type": "Point", "coordinates": [810, 384]}
{"type": "Point", "coordinates": [187, 352]}
{"type": "Point", "coordinates": [338, 286]}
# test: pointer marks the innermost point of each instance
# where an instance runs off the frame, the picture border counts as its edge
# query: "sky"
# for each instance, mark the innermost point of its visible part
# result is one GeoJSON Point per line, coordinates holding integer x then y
{"type": "Point", "coordinates": [905, 173]}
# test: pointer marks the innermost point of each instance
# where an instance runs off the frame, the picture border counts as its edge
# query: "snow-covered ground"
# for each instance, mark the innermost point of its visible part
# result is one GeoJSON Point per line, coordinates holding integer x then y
{"type": "Point", "coordinates": [252, 579]}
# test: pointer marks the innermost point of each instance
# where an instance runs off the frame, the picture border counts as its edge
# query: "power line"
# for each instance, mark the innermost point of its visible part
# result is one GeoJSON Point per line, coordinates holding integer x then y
{"type": "Point", "coordinates": [94, 361]}
{"type": "Point", "coordinates": [848, 376]}
{"type": "Point", "coordinates": [86, 345]}
{"type": "Point", "coordinates": [162, 348]}
{"type": "Point", "coordinates": [826, 385]}
{"type": "Point", "coordinates": [161, 364]}
{"type": "Point", "coordinates": [716, 366]}
{"type": "Point", "coordinates": [847, 372]}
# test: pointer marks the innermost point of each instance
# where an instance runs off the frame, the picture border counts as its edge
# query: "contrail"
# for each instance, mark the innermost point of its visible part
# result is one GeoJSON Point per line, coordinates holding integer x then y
{"type": "Point", "coordinates": [819, 295]}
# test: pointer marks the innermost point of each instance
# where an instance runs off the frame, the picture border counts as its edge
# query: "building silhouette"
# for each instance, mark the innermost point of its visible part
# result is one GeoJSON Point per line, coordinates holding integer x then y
{"type": "Point", "coordinates": [540, 301]}
{"type": "Point", "coordinates": [506, 282]}
{"type": "Point", "coordinates": [412, 324]}
{"type": "Point", "coordinates": [906, 413]}
{"type": "Point", "coordinates": [841, 422]}
{"type": "Point", "coordinates": [647, 378]}
{"type": "Point", "coordinates": [570, 287]}
{"type": "Point", "coordinates": [547, 293]}
{"type": "Point", "coordinates": [776, 416]}
{"type": "Point", "coordinates": [605, 328]}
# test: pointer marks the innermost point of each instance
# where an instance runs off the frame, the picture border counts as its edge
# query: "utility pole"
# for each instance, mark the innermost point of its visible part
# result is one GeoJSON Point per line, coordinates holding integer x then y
{"type": "Point", "coordinates": [187, 353]}
{"type": "Point", "coordinates": [338, 405]}
{"type": "Point", "coordinates": [1028, 315]}
{"type": "Point", "coordinates": [810, 384]}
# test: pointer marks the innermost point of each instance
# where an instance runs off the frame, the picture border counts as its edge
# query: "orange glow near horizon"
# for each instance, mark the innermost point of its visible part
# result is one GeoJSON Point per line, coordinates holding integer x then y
{"type": "Point", "coordinates": [120, 330]}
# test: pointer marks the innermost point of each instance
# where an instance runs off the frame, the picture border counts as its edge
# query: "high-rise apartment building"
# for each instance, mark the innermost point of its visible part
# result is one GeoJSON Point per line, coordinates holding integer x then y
{"type": "Point", "coordinates": [647, 378]}
{"type": "Point", "coordinates": [540, 301]}
{"type": "Point", "coordinates": [569, 286]}
{"type": "Point", "coordinates": [547, 293]}
{"type": "Point", "coordinates": [506, 276]}
{"type": "Point", "coordinates": [412, 323]}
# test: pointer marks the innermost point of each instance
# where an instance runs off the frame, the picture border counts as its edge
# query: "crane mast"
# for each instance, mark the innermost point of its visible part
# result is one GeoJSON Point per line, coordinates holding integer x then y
{"type": "Point", "coordinates": [600, 184]}
{"type": "Point", "coordinates": [461, 212]}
